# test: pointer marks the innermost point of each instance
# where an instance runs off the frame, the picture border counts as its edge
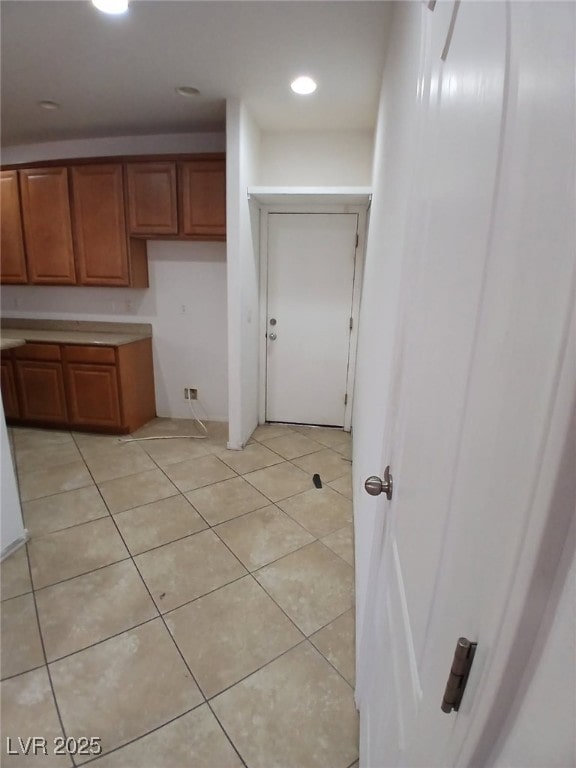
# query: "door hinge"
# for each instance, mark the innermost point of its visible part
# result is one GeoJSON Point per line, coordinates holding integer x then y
{"type": "Point", "coordinates": [351, 323]}
{"type": "Point", "coordinates": [346, 399]}
{"type": "Point", "coordinates": [458, 677]}
{"type": "Point", "coordinates": [357, 239]}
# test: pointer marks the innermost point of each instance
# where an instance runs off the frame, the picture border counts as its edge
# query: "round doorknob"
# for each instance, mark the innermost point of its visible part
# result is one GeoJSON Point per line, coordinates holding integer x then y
{"type": "Point", "coordinates": [375, 486]}
{"type": "Point", "coordinates": [272, 336]}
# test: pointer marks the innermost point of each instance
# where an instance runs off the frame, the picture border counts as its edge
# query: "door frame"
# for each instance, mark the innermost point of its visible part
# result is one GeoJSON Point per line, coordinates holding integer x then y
{"type": "Point", "coordinates": [312, 208]}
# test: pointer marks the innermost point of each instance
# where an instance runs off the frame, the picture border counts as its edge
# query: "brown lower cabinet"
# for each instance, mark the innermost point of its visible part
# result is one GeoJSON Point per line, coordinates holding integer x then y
{"type": "Point", "coordinates": [8, 386]}
{"type": "Point", "coordinates": [93, 395]}
{"type": "Point", "coordinates": [41, 388]}
{"type": "Point", "coordinates": [40, 384]}
{"type": "Point", "coordinates": [94, 388]}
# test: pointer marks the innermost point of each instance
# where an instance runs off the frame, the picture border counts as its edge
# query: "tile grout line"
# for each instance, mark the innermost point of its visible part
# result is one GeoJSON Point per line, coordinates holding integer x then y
{"type": "Point", "coordinates": [225, 732]}
{"type": "Point", "coordinates": [67, 527]}
{"type": "Point", "coordinates": [250, 574]}
{"type": "Point", "coordinates": [173, 639]}
{"type": "Point", "coordinates": [130, 555]}
{"type": "Point", "coordinates": [210, 527]}
{"type": "Point", "coordinates": [271, 501]}
{"type": "Point", "coordinates": [84, 573]}
{"type": "Point", "coordinates": [159, 615]}
{"type": "Point", "coordinates": [304, 641]}
{"type": "Point", "coordinates": [162, 616]}
{"type": "Point", "coordinates": [47, 665]}
{"type": "Point", "coordinates": [143, 735]}
{"type": "Point", "coordinates": [178, 607]}
{"type": "Point", "coordinates": [307, 637]}
{"type": "Point", "coordinates": [170, 635]}
{"type": "Point", "coordinates": [255, 671]}
{"type": "Point", "coordinates": [24, 672]}
{"type": "Point", "coordinates": [58, 493]}
{"type": "Point", "coordinates": [99, 642]}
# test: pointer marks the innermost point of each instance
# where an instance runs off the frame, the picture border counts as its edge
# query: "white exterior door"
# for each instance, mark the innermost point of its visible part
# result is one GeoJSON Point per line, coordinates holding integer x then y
{"type": "Point", "coordinates": [483, 371]}
{"type": "Point", "coordinates": [310, 281]}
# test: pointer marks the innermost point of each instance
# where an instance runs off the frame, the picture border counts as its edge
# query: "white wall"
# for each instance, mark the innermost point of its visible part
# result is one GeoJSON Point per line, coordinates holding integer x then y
{"type": "Point", "coordinates": [11, 525]}
{"type": "Point", "coordinates": [186, 300]}
{"type": "Point", "coordinates": [118, 145]}
{"type": "Point", "coordinates": [316, 159]}
{"type": "Point", "coordinates": [242, 157]}
{"type": "Point", "coordinates": [186, 304]}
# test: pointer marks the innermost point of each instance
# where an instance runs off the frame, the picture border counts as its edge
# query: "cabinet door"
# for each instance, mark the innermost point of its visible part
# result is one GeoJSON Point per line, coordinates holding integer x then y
{"type": "Point", "coordinates": [203, 198]}
{"type": "Point", "coordinates": [41, 386]}
{"type": "Point", "coordinates": [99, 225]}
{"type": "Point", "coordinates": [47, 227]}
{"type": "Point", "coordinates": [152, 202]}
{"type": "Point", "coordinates": [93, 395]}
{"type": "Point", "coordinates": [8, 385]}
{"type": "Point", "coordinates": [12, 259]}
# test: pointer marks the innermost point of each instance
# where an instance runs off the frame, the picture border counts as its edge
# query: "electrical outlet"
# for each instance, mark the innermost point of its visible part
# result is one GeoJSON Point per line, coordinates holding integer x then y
{"type": "Point", "coordinates": [193, 394]}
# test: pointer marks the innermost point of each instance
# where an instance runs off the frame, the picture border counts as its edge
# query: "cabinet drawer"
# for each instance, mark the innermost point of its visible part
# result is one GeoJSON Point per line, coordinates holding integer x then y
{"type": "Point", "coordinates": [78, 354]}
{"type": "Point", "coordinates": [38, 352]}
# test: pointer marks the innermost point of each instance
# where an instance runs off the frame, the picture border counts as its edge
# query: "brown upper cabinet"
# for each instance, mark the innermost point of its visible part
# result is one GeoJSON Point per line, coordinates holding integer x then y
{"type": "Point", "coordinates": [203, 198]}
{"type": "Point", "coordinates": [185, 199]}
{"type": "Point", "coordinates": [12, 259]}
{"type": "Point", "coordinates": [104, 254]}
{"type": "Point", "coordinates": [152, 200]}
{"type": "Point", "coordinates": [47, 225]}
{"type": "Point", "coordinates": [86, 222]}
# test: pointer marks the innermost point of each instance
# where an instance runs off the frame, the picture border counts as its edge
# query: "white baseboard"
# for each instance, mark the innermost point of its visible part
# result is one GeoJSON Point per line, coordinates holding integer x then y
{"type": "Point", "coordinates": [11, 548]}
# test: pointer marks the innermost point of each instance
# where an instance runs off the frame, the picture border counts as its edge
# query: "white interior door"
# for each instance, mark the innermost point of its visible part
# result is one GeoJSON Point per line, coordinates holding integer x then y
{"type": "Point", "coordinates": [310, 281]}
{"type": "Point", "coordinates": [483, 346]}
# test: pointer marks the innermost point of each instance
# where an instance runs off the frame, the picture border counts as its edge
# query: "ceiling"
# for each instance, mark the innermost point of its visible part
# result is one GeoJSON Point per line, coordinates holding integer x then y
{"type": "Point", "coordinates": [116, 76]}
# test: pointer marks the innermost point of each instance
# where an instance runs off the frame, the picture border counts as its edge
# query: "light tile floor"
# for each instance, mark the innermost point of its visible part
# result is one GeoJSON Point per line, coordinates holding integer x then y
{"type": "Point", "coordinates": [190, 606]}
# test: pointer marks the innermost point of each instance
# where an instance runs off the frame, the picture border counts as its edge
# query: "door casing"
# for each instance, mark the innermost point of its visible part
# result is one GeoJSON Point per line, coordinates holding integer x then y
{"type": "Point", "coordinates": [311, 208]}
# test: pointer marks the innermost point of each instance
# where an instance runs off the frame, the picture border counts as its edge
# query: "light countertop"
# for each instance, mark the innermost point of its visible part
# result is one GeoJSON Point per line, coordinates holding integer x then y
{"type": "Point", "coordinates": [15, 332]}
{"type": "Point", "coordinates": [11, 343]}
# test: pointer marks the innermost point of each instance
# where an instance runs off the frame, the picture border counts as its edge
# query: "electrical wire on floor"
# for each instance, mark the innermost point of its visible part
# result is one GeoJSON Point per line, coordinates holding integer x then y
{"type": "Point", "coordinates": [195, 418]}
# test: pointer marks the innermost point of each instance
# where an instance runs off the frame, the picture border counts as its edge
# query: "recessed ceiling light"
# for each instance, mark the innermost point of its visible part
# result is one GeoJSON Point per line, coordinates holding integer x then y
{"type": "Point", "coordinates": [49, 104]}
{"type": "Point", "coordinates": [187, 90]}
{"type": "Point", "coordinates": [111, 6]}
{"type": "Point", "coordinates": [303, 85]}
